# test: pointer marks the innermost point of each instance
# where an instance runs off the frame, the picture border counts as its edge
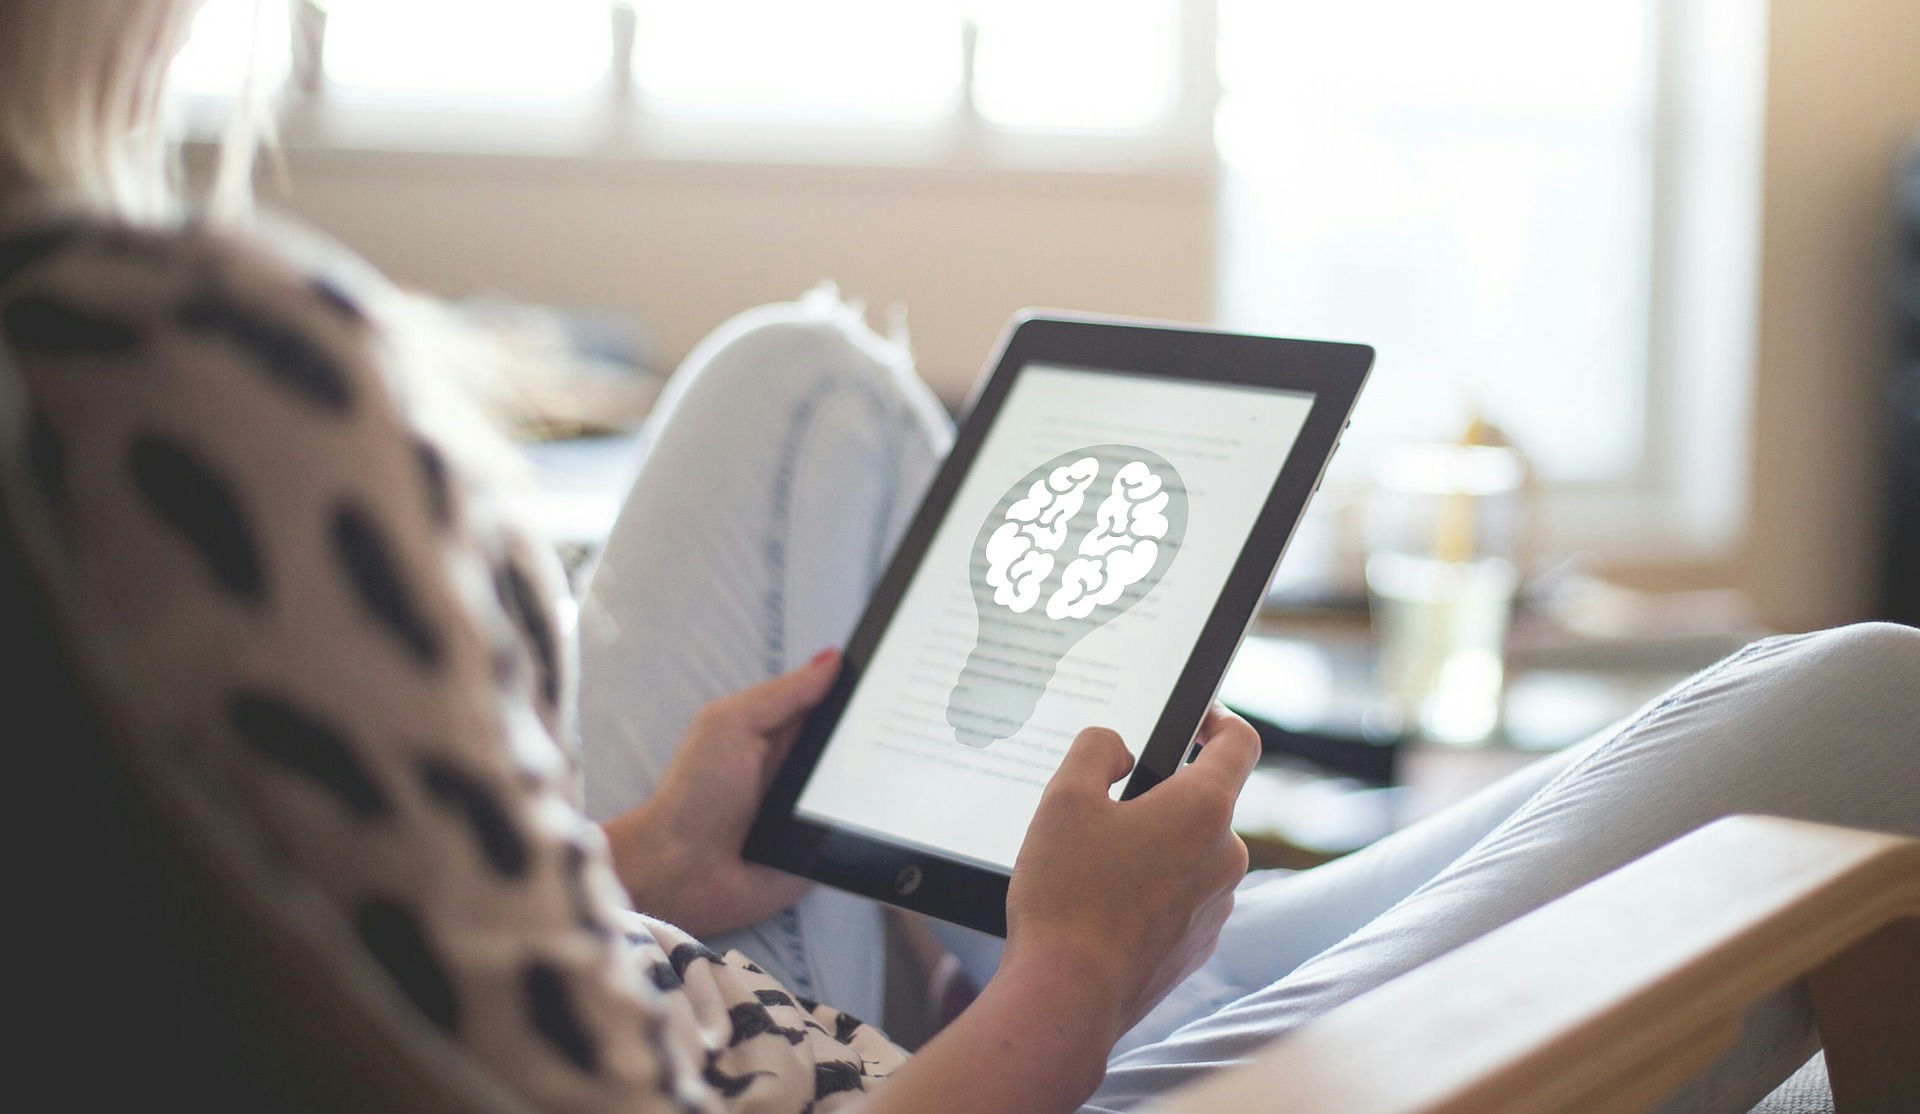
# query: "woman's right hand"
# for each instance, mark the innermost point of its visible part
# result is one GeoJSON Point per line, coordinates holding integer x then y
{"type": "Point", "coordinates": [1112, 903]}
{"type": "Point", "coordinates": [1130, 896]}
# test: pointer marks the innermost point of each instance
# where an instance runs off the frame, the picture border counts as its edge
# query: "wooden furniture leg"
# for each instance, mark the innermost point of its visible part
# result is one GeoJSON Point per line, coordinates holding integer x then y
{"type": "Point", "coordinates": [1867, 1003]}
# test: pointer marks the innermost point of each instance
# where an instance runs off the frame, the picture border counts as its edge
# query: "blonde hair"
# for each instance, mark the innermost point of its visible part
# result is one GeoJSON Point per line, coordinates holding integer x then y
{"type": "Point", "coordinates": [83, 118]}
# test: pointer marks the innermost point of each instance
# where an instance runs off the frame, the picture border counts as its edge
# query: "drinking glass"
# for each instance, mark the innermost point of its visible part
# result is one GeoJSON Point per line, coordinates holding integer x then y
{"type": "Point", "coordinates": [1442, 566]}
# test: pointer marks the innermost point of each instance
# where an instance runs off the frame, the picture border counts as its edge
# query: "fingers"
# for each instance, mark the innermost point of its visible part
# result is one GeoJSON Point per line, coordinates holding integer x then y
{"type": "Point", "coordinates": [1216, 716]}
{"type": "Point", "coordinates": [770, 704]}
{"type": "Point", "coordinates": [1229, 749]}
{"type": "Point", "coordinates": [1095, 761]}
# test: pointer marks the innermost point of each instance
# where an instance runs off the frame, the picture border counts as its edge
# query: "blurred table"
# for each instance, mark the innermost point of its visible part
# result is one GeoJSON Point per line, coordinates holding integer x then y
{"type": "Point", "coordinates": [1338, 775]}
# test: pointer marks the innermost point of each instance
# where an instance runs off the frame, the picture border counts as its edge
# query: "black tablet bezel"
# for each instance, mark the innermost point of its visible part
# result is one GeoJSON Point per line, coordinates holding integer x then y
{"type": "Point", "coordinates": [966, 893]}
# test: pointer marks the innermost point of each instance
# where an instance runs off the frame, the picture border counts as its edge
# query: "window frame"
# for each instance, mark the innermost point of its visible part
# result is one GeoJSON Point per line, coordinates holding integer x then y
{"type": "Point", "coordinates": [616, 123]}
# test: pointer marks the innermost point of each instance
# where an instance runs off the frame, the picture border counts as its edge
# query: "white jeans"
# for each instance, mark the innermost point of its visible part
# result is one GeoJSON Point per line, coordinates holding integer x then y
{"type": "Point", "coordinates": [786, 458]}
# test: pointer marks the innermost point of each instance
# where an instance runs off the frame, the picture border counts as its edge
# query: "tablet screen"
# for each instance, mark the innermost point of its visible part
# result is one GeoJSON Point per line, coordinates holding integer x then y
{"type": "Point", "coordinates": [1066, 586]}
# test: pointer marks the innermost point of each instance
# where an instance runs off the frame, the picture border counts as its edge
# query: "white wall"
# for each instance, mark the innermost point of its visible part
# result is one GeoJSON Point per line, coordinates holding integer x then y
{"type": "Point", "coordinates": [1844, 95]}
{"type": "Point", "coordinates": [684, 245]}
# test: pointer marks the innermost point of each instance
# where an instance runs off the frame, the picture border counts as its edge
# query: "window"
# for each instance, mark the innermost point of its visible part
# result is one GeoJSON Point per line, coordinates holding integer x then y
{"type": "Point", "coordinates": [1108, 65]}
{"type": "Point", "coordinates": [836, 61]}
{"type": "Point", "coordinates": [1543, 213]}
{"type": "Point", "coordinates": [494, 49]}
{"type": "Point", "coordinates": [229, 36]}
{"type": "Point", "coordinates": [1467, 186]}
{"type": "Point", "coordinates": [1548, 213]}
{"type": "Point", "coordinates": [1091, 66]}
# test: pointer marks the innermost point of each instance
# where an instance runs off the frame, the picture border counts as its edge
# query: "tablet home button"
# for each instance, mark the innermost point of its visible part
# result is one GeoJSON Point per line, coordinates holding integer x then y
{"type": "Point", "coordinates": [907, 881]}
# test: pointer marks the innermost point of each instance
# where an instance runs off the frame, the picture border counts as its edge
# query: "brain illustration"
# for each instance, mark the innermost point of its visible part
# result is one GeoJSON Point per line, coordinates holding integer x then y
{"type": "Point", "coordinates": [1121, 551]}
{"type": "Point", "coordinates": [1078, 541]}
{"type": "Point", "coordinates": [1020, 552]}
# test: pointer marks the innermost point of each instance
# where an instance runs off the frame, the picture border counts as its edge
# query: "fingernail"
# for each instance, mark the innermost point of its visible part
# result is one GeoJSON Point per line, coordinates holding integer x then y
{"type": "Point", "coordinates": [821, 656]}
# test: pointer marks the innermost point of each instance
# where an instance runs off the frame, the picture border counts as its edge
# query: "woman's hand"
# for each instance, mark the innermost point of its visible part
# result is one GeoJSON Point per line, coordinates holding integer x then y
{"type": "Point", "coordinates": [1131, 895]}
{"type": "Point", "coordinates": [1112, 903]}
{"type": "Point", "coordinates": [678, 854]}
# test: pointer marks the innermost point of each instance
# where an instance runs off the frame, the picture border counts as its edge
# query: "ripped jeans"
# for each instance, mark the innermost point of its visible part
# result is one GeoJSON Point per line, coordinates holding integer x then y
{"type": "Point", "coordinates": [786, 458]}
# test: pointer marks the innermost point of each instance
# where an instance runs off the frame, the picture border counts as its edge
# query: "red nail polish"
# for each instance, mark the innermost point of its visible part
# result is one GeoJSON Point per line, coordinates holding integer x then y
{"type": "Point", "coordinates": [820, 656]}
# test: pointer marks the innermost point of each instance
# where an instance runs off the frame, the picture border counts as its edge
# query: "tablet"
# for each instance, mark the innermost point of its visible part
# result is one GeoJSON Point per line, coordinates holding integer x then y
{"type": "Point", "coordinates": [1091, 553]}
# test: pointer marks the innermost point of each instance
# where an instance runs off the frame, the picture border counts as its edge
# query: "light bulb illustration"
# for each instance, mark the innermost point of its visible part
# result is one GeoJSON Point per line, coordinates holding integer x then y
{"type": "Point", "coordinates": [1077, 542]}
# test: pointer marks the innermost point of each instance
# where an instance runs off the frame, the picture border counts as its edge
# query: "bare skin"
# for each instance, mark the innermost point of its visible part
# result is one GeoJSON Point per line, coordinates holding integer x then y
{"type": "Point", "coordinates": [1111, 905]}
{"type": "Point", "coordinates": [678, 853]}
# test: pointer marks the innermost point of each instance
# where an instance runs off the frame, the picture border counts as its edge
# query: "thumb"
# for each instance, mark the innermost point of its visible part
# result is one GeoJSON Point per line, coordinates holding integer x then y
{"type": "Point", "coordinates": [772, 703]}
{"type": "Point", "coordinates": [1229, 751]}
{"type": "Point", "coordinates": [1095, 761]}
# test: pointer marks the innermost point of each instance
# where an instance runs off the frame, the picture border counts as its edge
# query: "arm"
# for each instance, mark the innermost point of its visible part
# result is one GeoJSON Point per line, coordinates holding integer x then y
{"type": "Point", "coordinates": [678, 852]}
{"type": "Point", "coordinates": [1035, 1040]}
{"type": "Point", "coordinates": [1112, 904]}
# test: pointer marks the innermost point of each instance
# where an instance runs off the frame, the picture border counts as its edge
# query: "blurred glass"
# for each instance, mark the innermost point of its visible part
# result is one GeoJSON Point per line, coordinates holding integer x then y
{"type": "Point", "coordinates": [1442, 565]}
{"type": "Point", "coordinates": [1467, 187]}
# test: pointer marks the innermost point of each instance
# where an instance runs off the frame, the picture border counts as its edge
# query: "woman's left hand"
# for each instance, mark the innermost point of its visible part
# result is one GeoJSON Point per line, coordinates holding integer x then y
{"type": "Point", "coordinates": [678, 854]}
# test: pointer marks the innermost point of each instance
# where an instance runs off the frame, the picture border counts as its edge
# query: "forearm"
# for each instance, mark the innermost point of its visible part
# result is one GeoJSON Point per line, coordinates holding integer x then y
{"type": "Point", "coordinates": [1035, 1042]}
{"type": "Point", "coordinates": [645, 859]}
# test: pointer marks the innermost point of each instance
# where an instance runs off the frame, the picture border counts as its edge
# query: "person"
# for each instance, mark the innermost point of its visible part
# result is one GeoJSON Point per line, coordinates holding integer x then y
{"type": "Point", "coordinates": [235, 472]}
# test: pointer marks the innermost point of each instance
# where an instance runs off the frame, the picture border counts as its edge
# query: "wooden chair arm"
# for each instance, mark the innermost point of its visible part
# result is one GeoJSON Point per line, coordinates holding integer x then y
{"type": "Point", "coordinates": [1616, 993]}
